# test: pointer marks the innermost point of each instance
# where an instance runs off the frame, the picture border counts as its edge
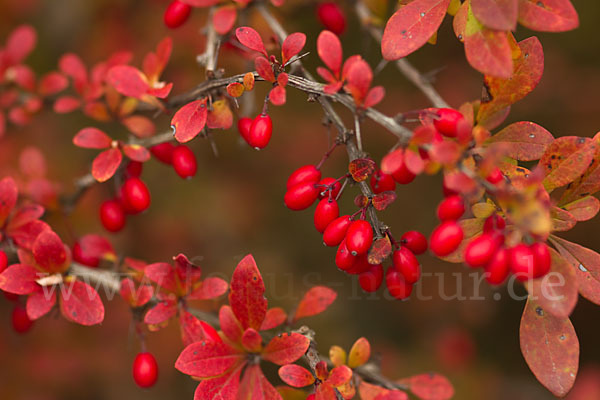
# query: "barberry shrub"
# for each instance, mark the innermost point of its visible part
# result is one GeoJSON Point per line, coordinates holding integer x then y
{"type": "Point", "coordinates": [509, 189]}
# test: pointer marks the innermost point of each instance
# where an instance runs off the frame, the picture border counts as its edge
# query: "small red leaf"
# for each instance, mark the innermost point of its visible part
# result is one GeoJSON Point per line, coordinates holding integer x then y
{"type": "Point", "coordinates": [136, 152]}
{"type": "Point", "coordinates": [19, 44]}
{"type": "Point", "coordinates": [246, 296]}
{"type": "Point", "coordinates": [251, 39]}
{"type": "Point", "coordinates": [361, 168]}
{"type": "Point", "coordinates": [96, 246]}
{"type": "Point", "coordinates": [286, 348]}
{"type": "Point", "coordinates": [50, 253]}
{"type": "Point", "coordinates": [414, 162]}
{"type": "Point", "coordinates": [380, 250]}
{"type": "Point", "coordinates": [92, 138]}
{"type": "Point", "coordinates": [208, 359]}
{"type": "Point", "coordinates": [163, 275]}
{"type": "Point", "coordinates": [500, 15]}
{"type": "Point", "coordinates": [251, 340]}
{"type": "Point", "coordinates": [314, 302]}
{"type": "Point", "coordinates": [374, 96]}
{"type": "Point", "coordinates": [19, 279]}
{"type": "Point", "coordinates": [264, 69]}
{"type": "Point", "coordinates": [255, 385]}
{"type": "Point", "coordinates": [128, 80]}
{"type": "Point", "coordinates": [550, 347]}
{"type": "Point", "coordinates": [8, 198]}
{"type": "Point", "coordinates": [411, 27]}
{"type": "Point", "coordinates": [430, 386]}
{"type": "Point", "coordinates": [224, 19]}
{"type": "Point", "coordinates": [275, 316]}
{"type": "Point", "coordinates": [106, 163]}
{"type": "Point", "coordinates": [189, 120]}
{"type": "Point", "coordinates": [382, 200]}
{"type": "Point", "coordinates": [222, 388]}
{"type": "Point", "coordinates": [583, 209]}
{"type": "Point", "coordinates": [487, 50]}
{"type": "Point", "coordinates": [230, 326]}
{"type": "Point", "coordinates": [40, 303]}
{"type": "Point", "coordinates": [296, 376]}
{"type": "Point", "coordinates": [193, 330]}
{"type": "Point", "coordinates": [329, 49]}
{"type": "Point", "coordinates": [523, 141]}
{"type": "Point", "coordinates": [210, 288]}
{"type": "Point", "coordinates": [292, 45]}
{"type": "Point", "coordinates": [139, 125]}
{"type": "Point", "coordinates": [71, 65]}
{"type": "Point", "coordinates": [548, 15]}
{"type": "Point", "coordinates": [52, 83]}
{"type": "Point", "coordinates": [358, 80]}
{"type": "Point", "coordinates": [162, 312]}
{"type": "Point", "coordinates": [277, 95]}
{"type": "Point", "coordinates": [80, 303]}
{"type": "Point", "coordinates": [136, 297]}
{"type": "Point", "coordinates": [339, 376]}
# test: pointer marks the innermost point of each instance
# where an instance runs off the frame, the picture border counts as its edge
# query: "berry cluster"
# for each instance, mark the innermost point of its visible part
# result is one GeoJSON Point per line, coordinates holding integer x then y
{"type": "Point", "coordinates": [256, 132]}
{"type": "Point", "coordinates": [447, 236]}
{"type": "Point", "coordinates": [133, 198]}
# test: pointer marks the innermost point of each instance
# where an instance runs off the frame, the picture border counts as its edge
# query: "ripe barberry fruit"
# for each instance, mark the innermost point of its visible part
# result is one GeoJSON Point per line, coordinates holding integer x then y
{"type": "Point", "coordinates": [542, 260]}
{"type": "Point", "coordinates": [135, 195]}
{"type": "Point", "coordinates": [327, 185]}
{"type": "Point", "coordinates": [396, 285]}
{"type": "Point", "coordinates": [359, 237]}
{"type": "Point", "coordinates": [306, 173]}
{"type": "Point", "coordinates": [521, 262]}
{"type": "Point", "coordinates": [260, 131]}
{"type": "Point", "coordinates": [20, 321]}
{"type": "Point", "coordinates": [415, 241]}
{"type": "Point", "coordinates": [336, 230]}
{"type": "Point", "coordinates": [447, 191]}
{"type": "Point", "coordinates": [447, 121]}
{"type": "Point", "coordinates": [451, 208]}
{"type": "Point", "coordinates": [145, 370]}
{"type": "Point", "coordinates": [301, 196]}
{"type": "Point", "coordinates": [112, 215]}
{"type": "Point", "coordinates": [243, 126]}
{"type": "Point", "coordinates": [134, 169]}
{"type": "Point", "coordinates": [361, 264]}
{"type": "Point", "coordinates": [407, 264]}
{"type": "Point", "coordinates": [326, 211]}
{"type": "Point", "coordinates": [480, 250]}
{"type": "Point", "coordinates": [184, 161]}
{"type": "Point", "coordinates": [381, 182]}
{"type": "Point", "coordinates": [3, 261]}
{"type": "Point", "coordinates": [343, 258]}
{"type": "Point", "coordinates": [496, 271]}
{"type": "Point", "coordinates": [403, 175]}
{"type": "Point", "coordinates": [82, 258]}
{"type": "Point", "coordinates": [495, 177]}
{"type": "Point", "coordinates": [494, 222]}
{"type": "Point", "coordinates": [446, 238]}
{"type": "Point", "coordinates": [332, 17]}
{"type": "Point", "coordinates": [371, 279]}
{"type": "Point", "coordinates": [176, 14]}
{"type": "Point", "coordinates": [163, 152]}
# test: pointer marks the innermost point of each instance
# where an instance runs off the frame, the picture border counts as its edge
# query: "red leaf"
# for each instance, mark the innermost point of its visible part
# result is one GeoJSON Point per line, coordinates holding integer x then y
{"type": "Point", "coordinates": [251, 341]}
{"type": "Point", "coordinates": [222, 388]}
{"type": "Point", "coordinates": [369, 391]}
{"type": "Point", "coordinates": [92, 138]}
{"type": "Point", "coordinates": [220, 117]}
{"type": "Point", "coordinates": [52, 83]}
{"type": "Point", "coordinates": [527, 72]}
{"type": "Point", "coordinates": [358, 80]}
{"type": "Point", "coordinates": [296, 376]}
{"type": "Point", "coordinates": [249, 81]}
{"type": "Point", "coordinates": [230, 325]}
{"type": "Point", "coordinates": [548, 15]}
{"type": "Point", "coordinates": [286, 348]}
{"type": "Point", "coordinates": [136, 297]}
{"type": "Point", "coordinates": [154, 63]}
{"type": "Point", "coordinates": [411, 27]}
{"type": "Point", "coordinates": [19, 279]}
{"type": "Point", "coordinates": [189, 120]}
{"type": "Point", "coordinates": [210, 288]}
{"type": "Point", "coordinates": [96, 246]}
{"type": "Point", "coordinates": [25, 235]}
{"type": "Point", "coordinates": [251, 39]}
{"type": "Point", "coordinates": [277, 96]}
{"type": "Point", "coordinates": [292, 45]}
{"type": "Point", "coordinates": [50, 253]}
{"type": "Point", "coordinates": [339, 376]}
{"type": "Point", "coordinates": [8, 198]}
{"type": "Point", "coordinates": [254, 385]}
{"type": "Point", "coordinates": [374, 96]}
{"type": "Point", "coordinates": [583, 209]}
{"type": "Point", "coordinates": [80, 303]}
{"type": "Point", "coordinates": [562, 220]}
{"type": "Point", "coordinates": [500, 15]}
{"type": "Point", "coordinates": [32, 162]}
{"type": "Point", "coordinates": [414, 162]}
{"type": "Point", "coordinates": [329, 49]}
{"type": "Point", "coordinates": [208, 359]}
{"type": "Point", "coordinates": [586, 184]}
{"type": "Point", "coordinates": [314, 302]}
{"type": "Point", "coordinates": [382, 200]}
{"type": "Point", "coordinates": [275, 316]}
{"type": "Point", "coordinates": [127, 80]}
{"type": "Point", "coordinates": [380, 250]}
{"type": "Point", "coordinates": [446, 152]}
{"type": "Point", "coordinates": [193, 330]}
{"type": "Point", "coordinates": [246, 296]}
{"type": "Point", "coordinates": [264, 69]}
{"type": "Point", "coordinates": [430, 386]}
{"type": "Point", "coordinates": [566, 159]}
{"type": "Point", "coordinates": [392, 161]}
{"type": "Point", "coordinates": [523, 141]}
{"type": "Point", "coordinates": [136, 152]}
{"type": "Point", "coordinates": [487, 50]}
{"type": "Point", "coordinates": [224, 19]}
{"type": "Point", "coordinates": [19, 44]}
{"type": "Point", "coordinates": [550, 347]}
{"type": "Point", "coordinates": [40, 303]}
{"type": "Point", "coordinates": [162, 312]}
{"type": "Point", "coordinates": [163, 275]}
{"type": "Point", "coordinates": [71, 65]}
{"type": "Point", "coordinates": [200, 3]}
{"type": "Point", "coordinates": [106, 163]}
{"type": "Point", "coordinates": [361, 168]}
{"type": "Point", "coordinates": [556, 292]}
{"type": "Point", "coordinates": [139, 125]}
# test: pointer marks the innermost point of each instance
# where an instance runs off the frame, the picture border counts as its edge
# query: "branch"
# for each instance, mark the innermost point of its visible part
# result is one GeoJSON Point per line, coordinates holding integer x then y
{"type": "Point", "coordinates": [410, 72]}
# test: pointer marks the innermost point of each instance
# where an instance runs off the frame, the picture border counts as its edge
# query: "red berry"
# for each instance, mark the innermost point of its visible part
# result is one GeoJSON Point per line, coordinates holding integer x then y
{"type": "Point", "coordinates": [20, 321]}
{"type": "Point", "coordinates": [134, 169]}
{"type": "Point", "coordinates": [329, 184]}
{"type": "Point", "coordinates": [307, 173]}
{"type": "Point", "coordinates": [343, 258]}
{"type": "Point", "coordinates": [3, 261]}
{"type": "Point", "coordinates": [145, 370]}
{"type": "Point", "coordinates": [325, 213]}
{"type": "Point", "coordinates": [495, 177]}
{"type": "Point", "coordinates": [301, 196]}
{"type": "Point", "coordinates": [163, 152]}
{"type": "Point", "coordinates": [480, 250]}
{"type": "Point", "coordinates": [336, 230]}
{"type": "Point", "coordinates": [135, 195]}
{"type": "Point", "coordinates": [447, 121]}
{"type": "Point", "coordinates": [415, 241]}
{"type": "Point", "coordinates": [361, 264]}
{"type": "Point", "coordinates": [112, 215]}
{"type": "Point", "coordinates": [403, 175]}
{"type": "Point", "coordinates": [176, 14]}
{"type": "Point", "coordinates": [451, 208]}
{"type": "Point", "coordinates": [82, 258]}
{"type": "Point", "coordinates": [407, 264]}
{"type": "Point", "coordinates": [332, 17]}
{"type": "Point", "coordinates": [396, 285]}
{"type": "Point", "coordinates": [381, 182]}
{"type": "Point", "coordinates": [260, 132]}
{"type": "Point", "coordinates": [445, 238]}
{"type": "Point", "coordinates": [521, 262]}
{"type": "Point", "coordinates": [494, 222]}
{"type": "Point", "coordinates": [542, 260]}
{"type": "Point", "coordinates": [371, 279]}
{"type": "Point", "coordinates": [447, 191]}
{"type": "Point", "coordinates": [244, 125]}
{"type": "Point", "coordinates": [496, 271]}
{"type": "Point", "coordinates": [184, 161]}
{"type": "Point", "coordinates": [359, 237]}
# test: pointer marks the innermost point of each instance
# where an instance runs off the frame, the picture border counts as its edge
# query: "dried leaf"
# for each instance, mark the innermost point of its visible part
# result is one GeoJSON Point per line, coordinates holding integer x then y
{"type": "Point", "coordinates": [235, 89]}
{"type": "Point", "coordinates": [361, 168]}
{"type": "Point", "coordinates": [380, 250]}
{"type": "Point", "coordinates": [383, 200]}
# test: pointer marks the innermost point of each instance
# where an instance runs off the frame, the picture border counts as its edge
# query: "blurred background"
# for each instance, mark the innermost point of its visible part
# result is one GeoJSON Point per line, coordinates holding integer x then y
{"type": "Point", "coordinates": [234, 206]}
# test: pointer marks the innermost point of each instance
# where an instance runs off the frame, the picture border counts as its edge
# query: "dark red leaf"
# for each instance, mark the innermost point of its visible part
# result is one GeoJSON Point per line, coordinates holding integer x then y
{"type": "Point", "coordinates": [189, 120]}
{"type": "Point", "coordinates": [251, 39]}
{"type": "Point", "coordinates": [80, 303]}
{"type": "Point", "coordinates": [92, 138]}
{"type": "Point", "coordinates": [382, 200]}
{"type": "Point", "coordinates": [548, 15]}
{"type": "Point", "coordinates": [292, 45]}
{"type": "Point", "coordinates": [106, 163]}
{"type": "Point", "coordinates": [361, 168]}
{"type": "Point", "coordinates": [246, 296]}
{"type": "Point", "coordinates": [314, 302]}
